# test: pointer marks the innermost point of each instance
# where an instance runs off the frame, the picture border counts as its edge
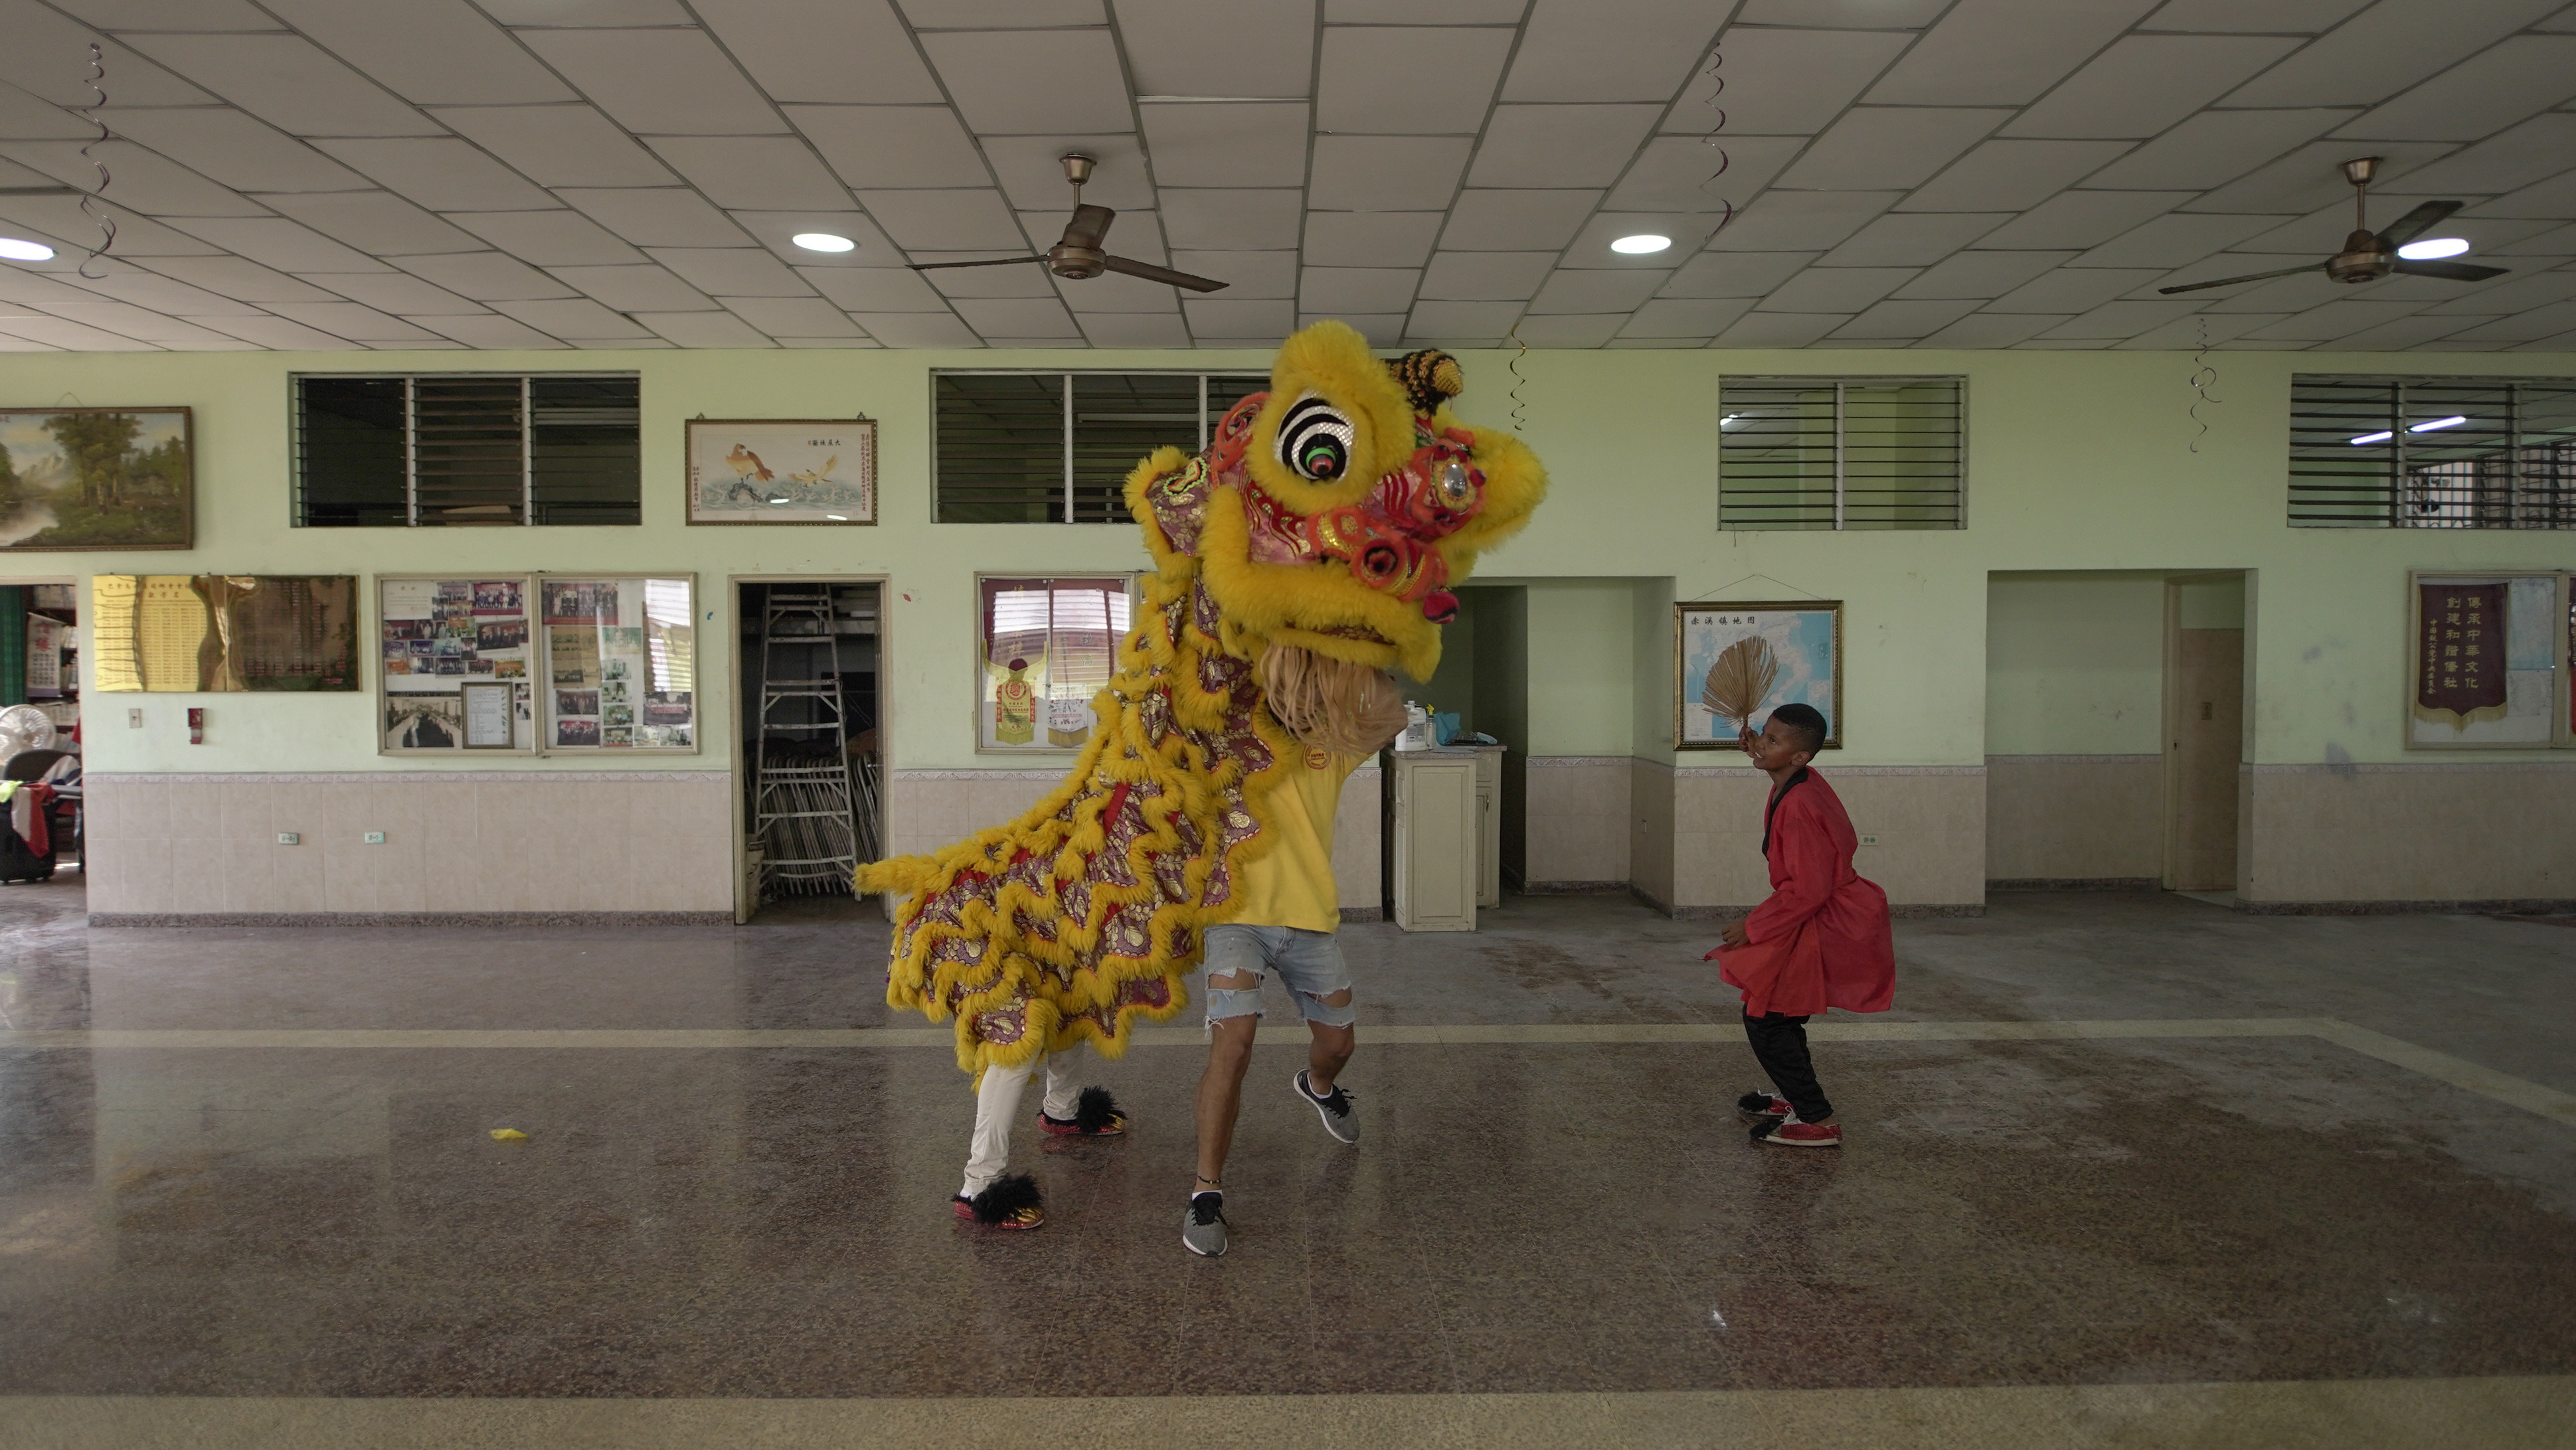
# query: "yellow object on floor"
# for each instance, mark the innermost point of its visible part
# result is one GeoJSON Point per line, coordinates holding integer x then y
{"type": "Point", "coordinates": [508, 1135]}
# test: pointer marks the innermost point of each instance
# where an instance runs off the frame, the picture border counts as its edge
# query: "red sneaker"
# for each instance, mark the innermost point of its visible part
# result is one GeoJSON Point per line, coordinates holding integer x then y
{"type": "Point", "coordinates": [1759, 1104]}
{"type": "Point", "coordinates": [1794, 1134]}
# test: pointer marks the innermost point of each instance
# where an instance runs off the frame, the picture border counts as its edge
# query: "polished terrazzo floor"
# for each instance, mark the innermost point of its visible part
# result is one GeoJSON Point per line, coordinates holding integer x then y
{"type": "Point", "coordinates": [225, 1171]}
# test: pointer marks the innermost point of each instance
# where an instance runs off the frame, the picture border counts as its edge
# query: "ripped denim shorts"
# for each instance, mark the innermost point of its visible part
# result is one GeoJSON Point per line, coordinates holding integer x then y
{"type": "Point", "coordinates": [1309, 964]}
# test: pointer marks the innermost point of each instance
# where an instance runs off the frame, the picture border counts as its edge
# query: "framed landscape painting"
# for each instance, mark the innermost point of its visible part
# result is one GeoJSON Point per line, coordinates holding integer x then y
{"type": "Point", "coordinates": [782, 471]}
{"type": "Point", "coordinates": [1733, 664]}
{"type": "Point", "coordinates": [96, 478]}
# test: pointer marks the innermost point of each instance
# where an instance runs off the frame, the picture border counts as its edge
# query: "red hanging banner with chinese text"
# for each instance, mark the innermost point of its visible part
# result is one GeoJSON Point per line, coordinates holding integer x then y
{"type": "Point", "coordinates": [2459, 653]}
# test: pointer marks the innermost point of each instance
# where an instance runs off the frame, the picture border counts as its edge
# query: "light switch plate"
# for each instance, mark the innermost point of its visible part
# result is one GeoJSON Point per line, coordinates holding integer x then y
{"type": "Point", "coordinates": [375, 838]}
{"type": "Point", "coordinates": [134, 719]}
{"type": "Point", "coordinates": [289, 838]}
{"type": "Point", "coordinates": [1869, 840]}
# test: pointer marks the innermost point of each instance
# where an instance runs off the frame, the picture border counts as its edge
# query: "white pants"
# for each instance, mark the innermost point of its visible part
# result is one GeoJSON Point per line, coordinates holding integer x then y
{"type": "Point", "coordinates": [998, 1101]}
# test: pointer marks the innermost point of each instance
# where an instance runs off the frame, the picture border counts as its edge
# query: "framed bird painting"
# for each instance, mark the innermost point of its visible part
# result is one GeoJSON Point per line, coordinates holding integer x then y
{"type": "Point", "coordinates": [782, 470]}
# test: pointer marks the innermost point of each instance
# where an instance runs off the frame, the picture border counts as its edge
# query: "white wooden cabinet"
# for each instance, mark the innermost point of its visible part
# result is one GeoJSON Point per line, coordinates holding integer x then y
{"type": "Point", "coordinates": [1438, 828]}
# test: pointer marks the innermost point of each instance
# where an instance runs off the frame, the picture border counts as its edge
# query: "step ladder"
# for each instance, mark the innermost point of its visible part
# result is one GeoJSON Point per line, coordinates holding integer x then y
{"type": "Point", "coordinates": [803, 812]}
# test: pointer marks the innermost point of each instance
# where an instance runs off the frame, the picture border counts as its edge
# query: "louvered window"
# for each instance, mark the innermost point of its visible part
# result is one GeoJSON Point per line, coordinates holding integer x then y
{"type": "Point", "coordinates": [1842, 453]}
{"type": "Point", "coordinates": [1037, 448]}
{"type": "Point", "coordinates": [463, 449]}
{"type": "Point", "coordinates": [2432, 453]}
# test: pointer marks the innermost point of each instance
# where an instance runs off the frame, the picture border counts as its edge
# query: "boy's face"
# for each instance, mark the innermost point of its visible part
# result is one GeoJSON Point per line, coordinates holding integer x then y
{"type": "Point", "coordinates": [1777, 748]}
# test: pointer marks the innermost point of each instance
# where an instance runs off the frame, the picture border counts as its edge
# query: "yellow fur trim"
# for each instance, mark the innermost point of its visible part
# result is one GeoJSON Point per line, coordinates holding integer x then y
{"type": "Point", "coordinates": [1333, 362]}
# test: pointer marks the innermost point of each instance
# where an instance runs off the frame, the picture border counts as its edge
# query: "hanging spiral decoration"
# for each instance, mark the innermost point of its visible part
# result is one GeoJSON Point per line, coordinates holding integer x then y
{"type": "Point", "coordinates": [2203, 377]}
{"type": "Point", "coordinates": [1520, 407]}
{"type": "Point", "coordinates": [1712, 139]}
{"type": "Point", "coordinates": [106, 223]}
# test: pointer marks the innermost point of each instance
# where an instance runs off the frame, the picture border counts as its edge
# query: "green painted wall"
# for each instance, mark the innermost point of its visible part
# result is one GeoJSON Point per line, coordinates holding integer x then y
{"type": "Point", "coordinates": [2077, 461]}
{"type": "Point", "coordinates": [1581, 692]}
{"type": "Point", "coordinates": [2075, 664]}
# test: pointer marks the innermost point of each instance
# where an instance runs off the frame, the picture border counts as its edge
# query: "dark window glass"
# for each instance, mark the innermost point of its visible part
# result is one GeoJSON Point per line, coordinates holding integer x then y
{"type": "Point", "coordinates": [1119, 419]}
{"type": "Point", "coordinates": [586, 454]}
{"type": "Point", "coordinates": [1002, 454]}
{"type": "Point", "coordinates": [467, 450]}
{"type": "Point", "coordinates": [1841, 453]}
{"type": "Point", "coordinates": [2432, 453]}
{"type": "Point", "coordinates": [349, 451]}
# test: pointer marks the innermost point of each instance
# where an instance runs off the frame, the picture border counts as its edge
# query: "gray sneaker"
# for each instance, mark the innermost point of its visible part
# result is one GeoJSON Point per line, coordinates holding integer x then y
{"type": "Point", "coordinates": [1203, 1225]}
{"type": "Point", "coordinates": [1340, 1118]}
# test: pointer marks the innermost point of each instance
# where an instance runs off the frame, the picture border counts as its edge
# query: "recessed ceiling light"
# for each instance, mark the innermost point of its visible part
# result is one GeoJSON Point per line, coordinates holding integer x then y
{"type": "Point", "coordinates": [1642, 242]}
{"type": "Point", "coordinates": [823, 242]}
{"type": "Point", "coordinates": [18, 251]}
{"type": "Point", "coordinates": [2433, 249]}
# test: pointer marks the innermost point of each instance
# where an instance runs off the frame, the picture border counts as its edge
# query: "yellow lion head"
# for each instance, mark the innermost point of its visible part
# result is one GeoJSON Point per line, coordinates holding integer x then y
{"type": "Point", "coordinates": [1335, 511]}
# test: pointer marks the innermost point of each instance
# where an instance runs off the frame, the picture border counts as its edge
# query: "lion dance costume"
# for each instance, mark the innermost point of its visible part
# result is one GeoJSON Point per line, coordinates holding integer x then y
{"type": "Point", "coordinates": [1329, 515]}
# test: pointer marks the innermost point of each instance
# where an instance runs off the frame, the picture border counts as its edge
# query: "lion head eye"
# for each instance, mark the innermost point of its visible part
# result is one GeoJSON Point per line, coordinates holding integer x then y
{"type": "Point", "coordinates": [1315, 440]}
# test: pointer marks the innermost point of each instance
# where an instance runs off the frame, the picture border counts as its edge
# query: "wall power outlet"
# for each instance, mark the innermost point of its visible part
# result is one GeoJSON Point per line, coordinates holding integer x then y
{"type": "Point", "coordinates": [375, 838]}
{"type": "Point", "coordinates": [1869, 840]}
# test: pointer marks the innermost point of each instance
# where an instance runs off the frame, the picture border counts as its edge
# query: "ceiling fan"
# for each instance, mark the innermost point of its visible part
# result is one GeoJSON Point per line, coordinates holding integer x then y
{"type": "Point", "coordinates": [2367, 257]}
{"type": "Point", "coordinates": [1078, 254]}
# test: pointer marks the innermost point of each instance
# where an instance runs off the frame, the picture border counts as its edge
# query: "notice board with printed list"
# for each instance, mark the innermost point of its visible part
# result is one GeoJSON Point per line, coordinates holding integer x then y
{"type": "Point", "coordinates": [218, 633]}
{"type": "Point", "coordinates": [621, 662]}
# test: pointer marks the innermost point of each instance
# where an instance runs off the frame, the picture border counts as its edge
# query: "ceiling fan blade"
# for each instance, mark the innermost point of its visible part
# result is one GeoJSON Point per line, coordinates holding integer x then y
{"type": "Point", "coordinates": [2248, 277]}
{"type": "Point", "coordinates": [996, 262]}
{"type": "Point", "coordinates": [2453, 271]}
{"type": "Point", "coordinates": [1089, 227]}
{"type": "Point", "coordinates": [2416, 223]}
{"type": "Point", "coordinates": [1152, 273]}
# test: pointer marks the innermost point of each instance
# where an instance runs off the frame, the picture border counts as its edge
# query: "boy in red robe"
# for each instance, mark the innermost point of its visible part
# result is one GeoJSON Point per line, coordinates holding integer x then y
{"type": "Point", "coordinates": [1821, 940]}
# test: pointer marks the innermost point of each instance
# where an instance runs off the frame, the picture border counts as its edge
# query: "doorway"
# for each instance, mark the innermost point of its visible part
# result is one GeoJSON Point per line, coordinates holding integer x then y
{"type": "Point", "coordinates": [41, 818]}
{"type": "Point", "coordinates": [809, 797]}
{"type": "Point", "coordinates": [2204, 729]}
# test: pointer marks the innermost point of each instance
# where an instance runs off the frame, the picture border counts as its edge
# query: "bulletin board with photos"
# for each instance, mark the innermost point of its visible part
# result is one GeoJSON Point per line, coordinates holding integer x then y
{"type": "Point", "coordinates": [620, 662]}
{"type": "Point", "coordinates": [2490, 659]}
{"type": "Point", "coordinates": [1045, 647]}
{"type": "Point", "coordinates": [455, 664]}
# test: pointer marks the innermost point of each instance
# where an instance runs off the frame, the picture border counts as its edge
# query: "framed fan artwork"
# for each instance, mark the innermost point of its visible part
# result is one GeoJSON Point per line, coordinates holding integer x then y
{"type": "Point", "coordinates": [782, 471]}
{"type": "Point", "coordinates": [1733, 664]}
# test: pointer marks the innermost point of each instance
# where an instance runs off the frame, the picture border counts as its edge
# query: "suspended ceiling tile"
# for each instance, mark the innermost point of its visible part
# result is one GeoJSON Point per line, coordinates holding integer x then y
{"type": "Point", "coordinates": [1609, 50]}
{"type": "Point", "coordinates": [642, 287]}
{"type": "Point", "coordinates": [1904, 321]}
{"type": "Point", "coordinates": [2557, 243]}
{"type": "Point", "coordinates": [171, 14]}
{"type": "Point", "coordinates": [242, 280]}
{"type": "Point", "coordinates": [556, 238]}
{"type": "Point", "coordinates": [2190, 332]}
{"type": "Point", "coordinates": [1017, 317]}
{"type": "Point", "coordinates": [136, 236]}
{"type": "Point", "coordinates": [655, 216]}
{"type": "Point", "coordinates": [1516, 221]}
{"type": "Point", "coordinates": [1596, 291]}
{"type": "Point", "coordinates": [2074, 344]}
{"type": "Point", "coordinates": [1849, 14]}
{"type": "Point", "coordinates": [552, 14]}
{"type": "Point", "coordinates": [1356, 289]}
{"type": "Point", "coordinates": [1247, 275]}
{"type": "Point", "coordinates": [917, 329]}
{"type": "Point", "coordinates": [2519, 293]}
{"type": "Point", "coordinates": [1371, 238]}
{"type": "Point", "coordinates": [10, 342]}
{"type": "Point", "coordinates": [1571, 330]}
{"type": "Point", "coordinates": [705, 329]}
{"type": "Point", "coordinates": [378, 223]}
{"type": "Point", "coordinates": [1779, 329]}
{"type": "Point", "coordinates": [29, 118]}
{"type": "Point", "coordinates": [2551, 200]}
{"type": "Point", "coordinates": [1386, 173]}
{"type": "Point", "coordinates": [443, 174]}
{"type": "Point", "coordinates": [822, 50]}
{"type": "Point", "coordinates": [167, 295]}
{"type": "Point", "coordinates": [1025, 279]}
{"type": "Point", "coordinates": [2515, 79]}
{"type": "Point", "coordinates": [2333, 320]}
{"type": "Point", "coordinates": [352, 321]}
{"type": "Point", "coordinates": [732, 271]}
{"type": "Point", "coordinates": [280, 334]}
{"type": "Point", "coordinates": [399, 294]}
{"type": "Point", "coordinates": [2006, 175]}
{"type": "Point", "coordinates": [151, 327]}
{"type": "Point", "coordinates": [1736, 274]}
{"type": "Point", "coordinates": [658, 82]}
{"type": "Point", "coordinates": [1381, 329]}
{"type": "Point", "coordinates": [893, 146]}
{"type": "Point", "coordinates": [1218, 317]}
{"type": "Point", "coordinates": [2537, 149]}
{"type": "Point", "coordinates": [1462, 319]}
{"type": "Point", "coordinates": [1424, 12]}
{"type": "Point", "coordinates": [1591, 245]}
{"type": "Point", "coordinates": [1913, 238]}
{"type": "Point", "coordinates": [1135, 329]}
{"type": "Point", "coordinates": [485, 277]}
{"type": "Point", "coordinates": [2385, 49]}
{"type": "Point", "coordinates": [1134, 234]}
{"type": "Point", "coordinates": [1229, 220]}
{"type": "Point", "coordinates": [2527, 327]}
{"type": "Point", "coordinates": [2278, 17]}
{"type": "Point", "coordinates": [2083, 218]}
{"type": "Point", "coordinates": [2312, 176]}
{"type": "Point", "coordinates": [2073, 289]}
{"type": "Point", "coordinates": [1798, 221]}
{"type": "Point", "coordinates": [945, 220]}
{"type": "Point", "coordinates": [2175, 239]}
{"type": "Point", "coordinates": [489, 332]}
{"type": "Point", "coordinates": [1988, 329]}
{"type": "Point", "coordinates": [2402, 333]}
{"type": "Point", "coordinates": [1783, 82]}
{"type": "Point", "coordinates": [767, 173]}
{"type": "Point", "coordinates": [2214, 148]}
{"type": "Point", "coordinates": [777, 231]}
{"type": "Point", "coordinates": [2125, 319]}
{"type": "Point", "coordinates": [1260, 47]}
{"type": "Point", "coordinates": [1485, 277]}
{"type": "Point", "coordinates": [47, 54]}
{"type": "Point", "coordinates": [855, 341]}
{"type": "Point", "coordinates": [2145, 83]}
{"type": "Point", "coordinates": [1701, 317]}
{"type": "Point", "coordinates": [232, 148]}
{"type": "Point", "coordinates": [78, 336]}
{"type": "Point", "coordinates": [1112, 292]}
{"type": "Point", "coordinates": [1557, 145]}
{"type": "Point", "coordinates": [560, 145]}
{"type": "Point", "coordinates": [289, 246]}
{"type": "Point", "coordinates": [433, 52]}
{"type": "Point", "coordinates": [1002, 14]}
{"type": "Point", "coordinates": [290, 83]}
{"type": "Point", "coordinates": [1031, 169]}
{"type": "Point", "coordinates": [875, 289]}
{"type": "Point", "coordinates": [571, 317]}
{"type": "Point", "coordinates": [1875, 147]}
{"type": "Point", "coordinates": [1032, 82]}
{"type": "Point", "coordinates": [2003, 52]}
{"type": "Point", "coordinates": [1397, 80]}
{"type": "Point", "coordinates": [1687, 174]}
{"type": "Point", "coordinates": [1835, 289]}
{"type": "Point", "coordinates": [1228, 145]}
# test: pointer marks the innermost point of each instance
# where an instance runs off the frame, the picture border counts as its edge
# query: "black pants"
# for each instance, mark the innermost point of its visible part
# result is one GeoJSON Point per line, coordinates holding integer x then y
{"type": "Point", "coordinates": [1780, 1045]}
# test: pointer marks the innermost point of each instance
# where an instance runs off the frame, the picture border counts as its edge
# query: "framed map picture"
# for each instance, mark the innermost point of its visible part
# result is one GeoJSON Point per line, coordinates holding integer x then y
{"type": "Point", "coordinates": [782, 471]}
{"type": "Point", "coordinates": [2485, 656]}
{"type": "Point", "coordinates": [1735, 663]}
{"type": "Point", "coordinates": [96, 478]}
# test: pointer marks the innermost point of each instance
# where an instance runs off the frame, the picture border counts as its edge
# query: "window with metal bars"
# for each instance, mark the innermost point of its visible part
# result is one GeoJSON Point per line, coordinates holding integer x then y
{"type": "Point", "coordinates": [1842, 453]}
{"type": "Point", "coordinates": [466, 449]}
{"type": "Point", "coordinates": [2432, 453]}
{"type": "Point", "coordinates": [1040, 448]}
